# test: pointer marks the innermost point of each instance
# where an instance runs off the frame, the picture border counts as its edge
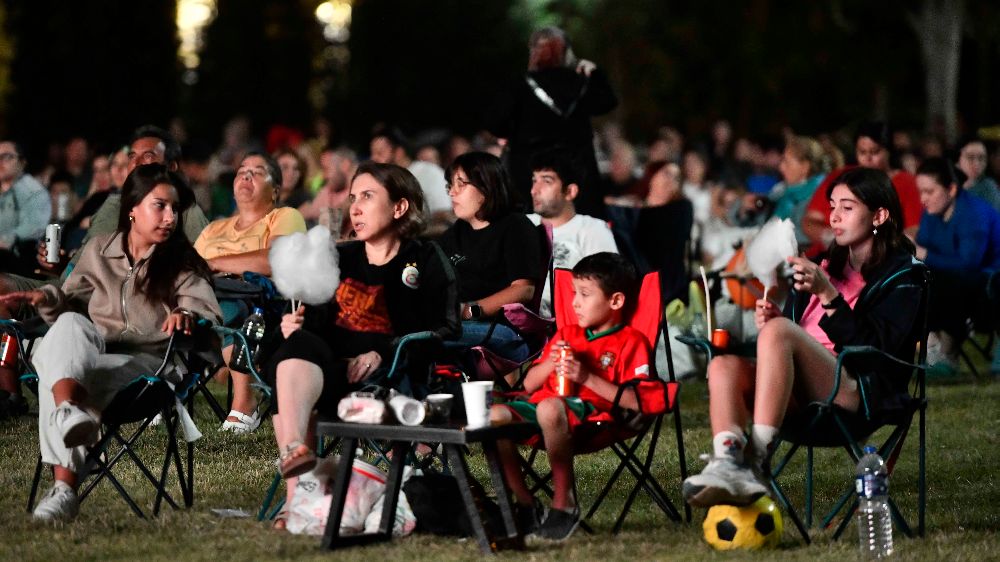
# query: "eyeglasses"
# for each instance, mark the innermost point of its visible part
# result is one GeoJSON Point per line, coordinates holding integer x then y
{"type": "Point", "coordinates": [8, 156]}
{"type": "Point", "coordinates": [457, 184]}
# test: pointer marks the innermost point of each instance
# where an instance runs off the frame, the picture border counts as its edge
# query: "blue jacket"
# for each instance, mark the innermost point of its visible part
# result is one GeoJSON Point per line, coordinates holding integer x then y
{"type": "Point", "coordinates": [969, 241]}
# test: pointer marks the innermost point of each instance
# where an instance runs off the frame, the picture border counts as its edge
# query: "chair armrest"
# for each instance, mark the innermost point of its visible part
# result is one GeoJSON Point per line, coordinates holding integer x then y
{"type": "Point", "coordinates": [863, 351]}
{"type": "Point", "coordinates": [635, 385]}
{"type": "Point", "coordinates": [34, 327]}
{"type": "Point", "coordinates": [238, 335]}
{"type": "Point", "coordinates": [699, 343]}
{"type": "Point", "coordinates": [405, 341]}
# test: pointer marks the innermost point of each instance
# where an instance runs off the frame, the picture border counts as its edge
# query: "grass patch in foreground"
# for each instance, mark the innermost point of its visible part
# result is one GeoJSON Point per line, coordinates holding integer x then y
{"type": "Point", "coordinates": [233, 472]}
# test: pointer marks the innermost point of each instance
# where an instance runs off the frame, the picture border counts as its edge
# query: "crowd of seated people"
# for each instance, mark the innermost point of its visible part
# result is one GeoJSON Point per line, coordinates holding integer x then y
{"type": "Point", "coordinates": [671, 205]}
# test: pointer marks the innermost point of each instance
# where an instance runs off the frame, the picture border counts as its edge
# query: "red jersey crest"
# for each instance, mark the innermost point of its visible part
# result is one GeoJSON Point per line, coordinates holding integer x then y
{"type": "Point", "coordinates": [607, 359]}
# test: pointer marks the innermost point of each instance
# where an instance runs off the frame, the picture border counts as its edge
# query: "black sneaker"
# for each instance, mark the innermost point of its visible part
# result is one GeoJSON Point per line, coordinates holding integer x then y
{"type": "Point", "coordinates": [17, 405]}
{"type": "Point", "coordinates": [559, 525]}
{"type": "Point", "coordinates": [528, 517]}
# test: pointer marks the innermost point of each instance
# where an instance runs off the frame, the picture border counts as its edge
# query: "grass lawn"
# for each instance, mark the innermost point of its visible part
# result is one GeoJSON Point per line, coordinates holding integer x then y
{"type": "Point", "coordinates": [233, 472]}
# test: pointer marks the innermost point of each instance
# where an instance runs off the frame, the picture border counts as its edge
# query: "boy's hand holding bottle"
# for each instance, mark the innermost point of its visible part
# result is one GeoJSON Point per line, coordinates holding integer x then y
{"type": "Point", "coordinates": [568, 372]}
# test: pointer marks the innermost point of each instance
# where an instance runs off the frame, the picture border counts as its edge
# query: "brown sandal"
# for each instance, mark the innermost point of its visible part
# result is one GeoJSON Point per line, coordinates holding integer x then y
{"type": "Point", "coordinates": [298, 459]}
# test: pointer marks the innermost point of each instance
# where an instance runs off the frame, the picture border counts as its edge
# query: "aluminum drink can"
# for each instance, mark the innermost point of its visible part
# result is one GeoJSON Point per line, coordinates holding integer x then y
{"type": "Point", "coordinates": [564, 386]}
{"type": "Point", "coordinates": [53, 235]}
{"type": "Point", "coordinates": [8, 350]}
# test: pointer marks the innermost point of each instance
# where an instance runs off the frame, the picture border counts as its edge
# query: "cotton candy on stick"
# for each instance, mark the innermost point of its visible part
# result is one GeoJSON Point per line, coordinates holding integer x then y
{"type": "Point", "coordinates": [304, 266]}
{"type": "Point", "coordinates": [774, 244]}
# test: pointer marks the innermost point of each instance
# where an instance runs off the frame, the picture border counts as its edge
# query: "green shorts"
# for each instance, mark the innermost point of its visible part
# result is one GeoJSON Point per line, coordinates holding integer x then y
{"type": "Point", "coordinates": [575, 406]}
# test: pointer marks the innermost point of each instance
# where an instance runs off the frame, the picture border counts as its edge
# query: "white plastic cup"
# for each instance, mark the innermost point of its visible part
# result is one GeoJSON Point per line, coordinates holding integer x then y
{"type": "Point", "coordinates": [408, 411]}
{"type": "Point", "coordinates": [478, 397]}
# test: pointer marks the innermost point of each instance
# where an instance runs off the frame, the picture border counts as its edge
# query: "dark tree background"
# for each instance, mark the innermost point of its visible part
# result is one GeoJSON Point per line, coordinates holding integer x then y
{"type": "Point", "coordinates": [257, 61]}
{"type": "Point", "coordinates": [429, 64]}
{"type": "Point", "coordinates": [99, 68]}
{"type": "Point", "coordinates": [95, 68]}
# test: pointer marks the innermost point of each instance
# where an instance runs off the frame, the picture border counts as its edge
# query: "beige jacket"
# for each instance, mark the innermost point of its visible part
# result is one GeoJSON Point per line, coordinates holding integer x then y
{"type": "Point", "coordinates": [103, 287]}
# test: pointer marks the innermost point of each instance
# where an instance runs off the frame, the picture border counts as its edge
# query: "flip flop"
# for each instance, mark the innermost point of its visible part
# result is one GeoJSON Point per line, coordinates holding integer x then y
{"type": "Point", "coordinates": [298, 459]}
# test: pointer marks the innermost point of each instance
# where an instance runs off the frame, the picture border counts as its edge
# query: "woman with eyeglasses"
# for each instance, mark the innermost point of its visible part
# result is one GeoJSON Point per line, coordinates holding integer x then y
{"type": "Point", "coordinates": [495, 250]}
{"type": "Point", "coordinates": [959, 239]}
{"type": "Point", "coordinates": [24, 211]}
{"type": "Point", "coordinates": [972, 158]}
{"type": "Point", "coordinates": [241, 243]}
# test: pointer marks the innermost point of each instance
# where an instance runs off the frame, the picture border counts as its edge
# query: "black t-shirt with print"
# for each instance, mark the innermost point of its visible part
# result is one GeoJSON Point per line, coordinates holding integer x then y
{"type": "Point", "coordinates": [490, 259]}
{"type": "Point", "coordinates": [376, 304]}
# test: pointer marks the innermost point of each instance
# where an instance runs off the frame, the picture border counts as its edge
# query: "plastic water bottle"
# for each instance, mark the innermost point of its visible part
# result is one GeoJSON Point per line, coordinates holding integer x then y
{"type": "Point", "coordinates": [253, 331]}
{"type": "Point", "coordinates": [874, 520]}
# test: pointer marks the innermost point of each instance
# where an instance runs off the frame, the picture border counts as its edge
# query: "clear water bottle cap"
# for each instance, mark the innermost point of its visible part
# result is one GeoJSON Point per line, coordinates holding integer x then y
{"type": "Point", "coordinates": [258, 310]}
{"type": "Point", "coordinates": [869, 449]}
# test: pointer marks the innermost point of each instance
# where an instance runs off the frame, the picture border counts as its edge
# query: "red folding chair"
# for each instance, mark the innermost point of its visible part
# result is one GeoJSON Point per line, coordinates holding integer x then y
{"type": "Point", "coordinates": [628, 430]}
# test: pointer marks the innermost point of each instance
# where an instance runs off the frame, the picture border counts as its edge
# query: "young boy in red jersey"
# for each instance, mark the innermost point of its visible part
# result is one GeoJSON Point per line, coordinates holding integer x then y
{"type": "Point", "coordinates": [605, 353]}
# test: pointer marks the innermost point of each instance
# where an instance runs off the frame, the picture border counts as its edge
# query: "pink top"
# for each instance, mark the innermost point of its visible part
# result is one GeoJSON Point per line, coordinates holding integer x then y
{"type": "Point", "coordinates": [850, 287]}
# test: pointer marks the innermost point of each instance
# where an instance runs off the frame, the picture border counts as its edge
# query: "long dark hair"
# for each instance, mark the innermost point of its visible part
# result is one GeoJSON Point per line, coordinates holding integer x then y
{"type": "Point", "coordinates": [487, 174]}
{"type": "Point", "coordinates": [174, 256]}
{"type": "Point", "coordinates": [874, 189]}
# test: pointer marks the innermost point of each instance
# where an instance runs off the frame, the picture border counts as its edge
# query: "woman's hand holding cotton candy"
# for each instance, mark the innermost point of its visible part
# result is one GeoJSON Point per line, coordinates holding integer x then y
{"type": "Point", "coordinates": [292, 322]}
{"type": "Point", "coordinates": [809, 277]}
{"type": "Point", "coordinates": [764, 311]}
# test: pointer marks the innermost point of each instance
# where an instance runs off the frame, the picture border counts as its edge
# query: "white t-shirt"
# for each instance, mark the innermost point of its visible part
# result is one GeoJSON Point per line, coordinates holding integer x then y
{"type": "Point", "coordinates": [430, 176]}
{"type": "Point", "coordinates": [580, 237]}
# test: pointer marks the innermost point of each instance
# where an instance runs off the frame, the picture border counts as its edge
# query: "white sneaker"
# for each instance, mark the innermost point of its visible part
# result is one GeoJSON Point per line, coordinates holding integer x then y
{"type": "Point", "coordinates": [59, 504]}
{"type": "Point", "coordinates": [723, 482]}
{"type": "Point", "coordinates": [76, 425]}
{"type": "Point", "coordinates": [244, 424]}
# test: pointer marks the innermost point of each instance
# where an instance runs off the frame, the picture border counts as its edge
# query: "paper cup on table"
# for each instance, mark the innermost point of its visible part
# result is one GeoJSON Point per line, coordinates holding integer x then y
{"type": "Point", "coordinates": [478, 397]}
{"type": "Point", "coordinates": [438, 407]}
{"type": "Point", "coordinates": [408, 411]}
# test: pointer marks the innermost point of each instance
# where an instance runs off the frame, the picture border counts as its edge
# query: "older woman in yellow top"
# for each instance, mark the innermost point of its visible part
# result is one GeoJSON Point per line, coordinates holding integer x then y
{"type": "Point", "coordinates": [240, 243]}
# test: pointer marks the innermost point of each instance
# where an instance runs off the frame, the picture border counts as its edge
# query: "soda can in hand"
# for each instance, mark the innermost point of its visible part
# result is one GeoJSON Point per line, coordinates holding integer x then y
{"type": "Point", "coordinates": [564, 386]}
{"type": "Point", "coordinates": [53, 237]}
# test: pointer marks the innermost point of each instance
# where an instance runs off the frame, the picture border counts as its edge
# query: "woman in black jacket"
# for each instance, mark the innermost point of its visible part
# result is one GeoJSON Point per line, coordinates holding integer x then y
{"type": "Point", "coordinates": [867, 292]}
{"type": "Point", "coordinates": [390, 285]}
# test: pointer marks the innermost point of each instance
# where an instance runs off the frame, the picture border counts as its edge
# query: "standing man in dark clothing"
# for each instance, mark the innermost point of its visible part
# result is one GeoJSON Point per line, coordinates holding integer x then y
{"type": "Point", "coordinates": [551, 106]}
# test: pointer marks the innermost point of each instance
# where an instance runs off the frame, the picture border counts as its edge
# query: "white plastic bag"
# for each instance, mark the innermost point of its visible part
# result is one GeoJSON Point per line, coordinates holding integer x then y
{"type": "Point", "coordinates": [310, 505]}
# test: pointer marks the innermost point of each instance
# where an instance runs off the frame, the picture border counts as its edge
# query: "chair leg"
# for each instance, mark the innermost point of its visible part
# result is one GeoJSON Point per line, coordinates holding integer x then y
{"type": "Point", "coordinates": [34, 484]}
{"type": "Point", "coordinates": [189, 498]}
{"type": "Point", "coordinates": [790, 510]}
{"type": "Point", "coordinates": [161, 485]}
{"type": "Point", "coordinates": [272, 490]}
{"type": "Point", "coordinates": [846, 520]}
{"type": "Point", "coordinates": [127, 448]}
{"type": "Point", "coordinates": [681, 456]}
{"type": "Point", "coordinates": [210, 399]}
{"type": "Point", "coordinates": [921, 471]}
{"type": "Point", "coordinates": [809, 487]}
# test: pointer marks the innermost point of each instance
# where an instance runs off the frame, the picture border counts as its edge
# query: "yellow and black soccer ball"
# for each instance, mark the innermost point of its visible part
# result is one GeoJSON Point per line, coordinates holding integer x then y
{"type": "Point", "coordinates": [755, 526]}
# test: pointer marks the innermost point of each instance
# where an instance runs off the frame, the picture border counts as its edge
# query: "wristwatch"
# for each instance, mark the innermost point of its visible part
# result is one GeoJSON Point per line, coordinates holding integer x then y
{"type": "Point", "coordinates": [834, 302]}
{"type": "Point", "coordinates": [475, 311]}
